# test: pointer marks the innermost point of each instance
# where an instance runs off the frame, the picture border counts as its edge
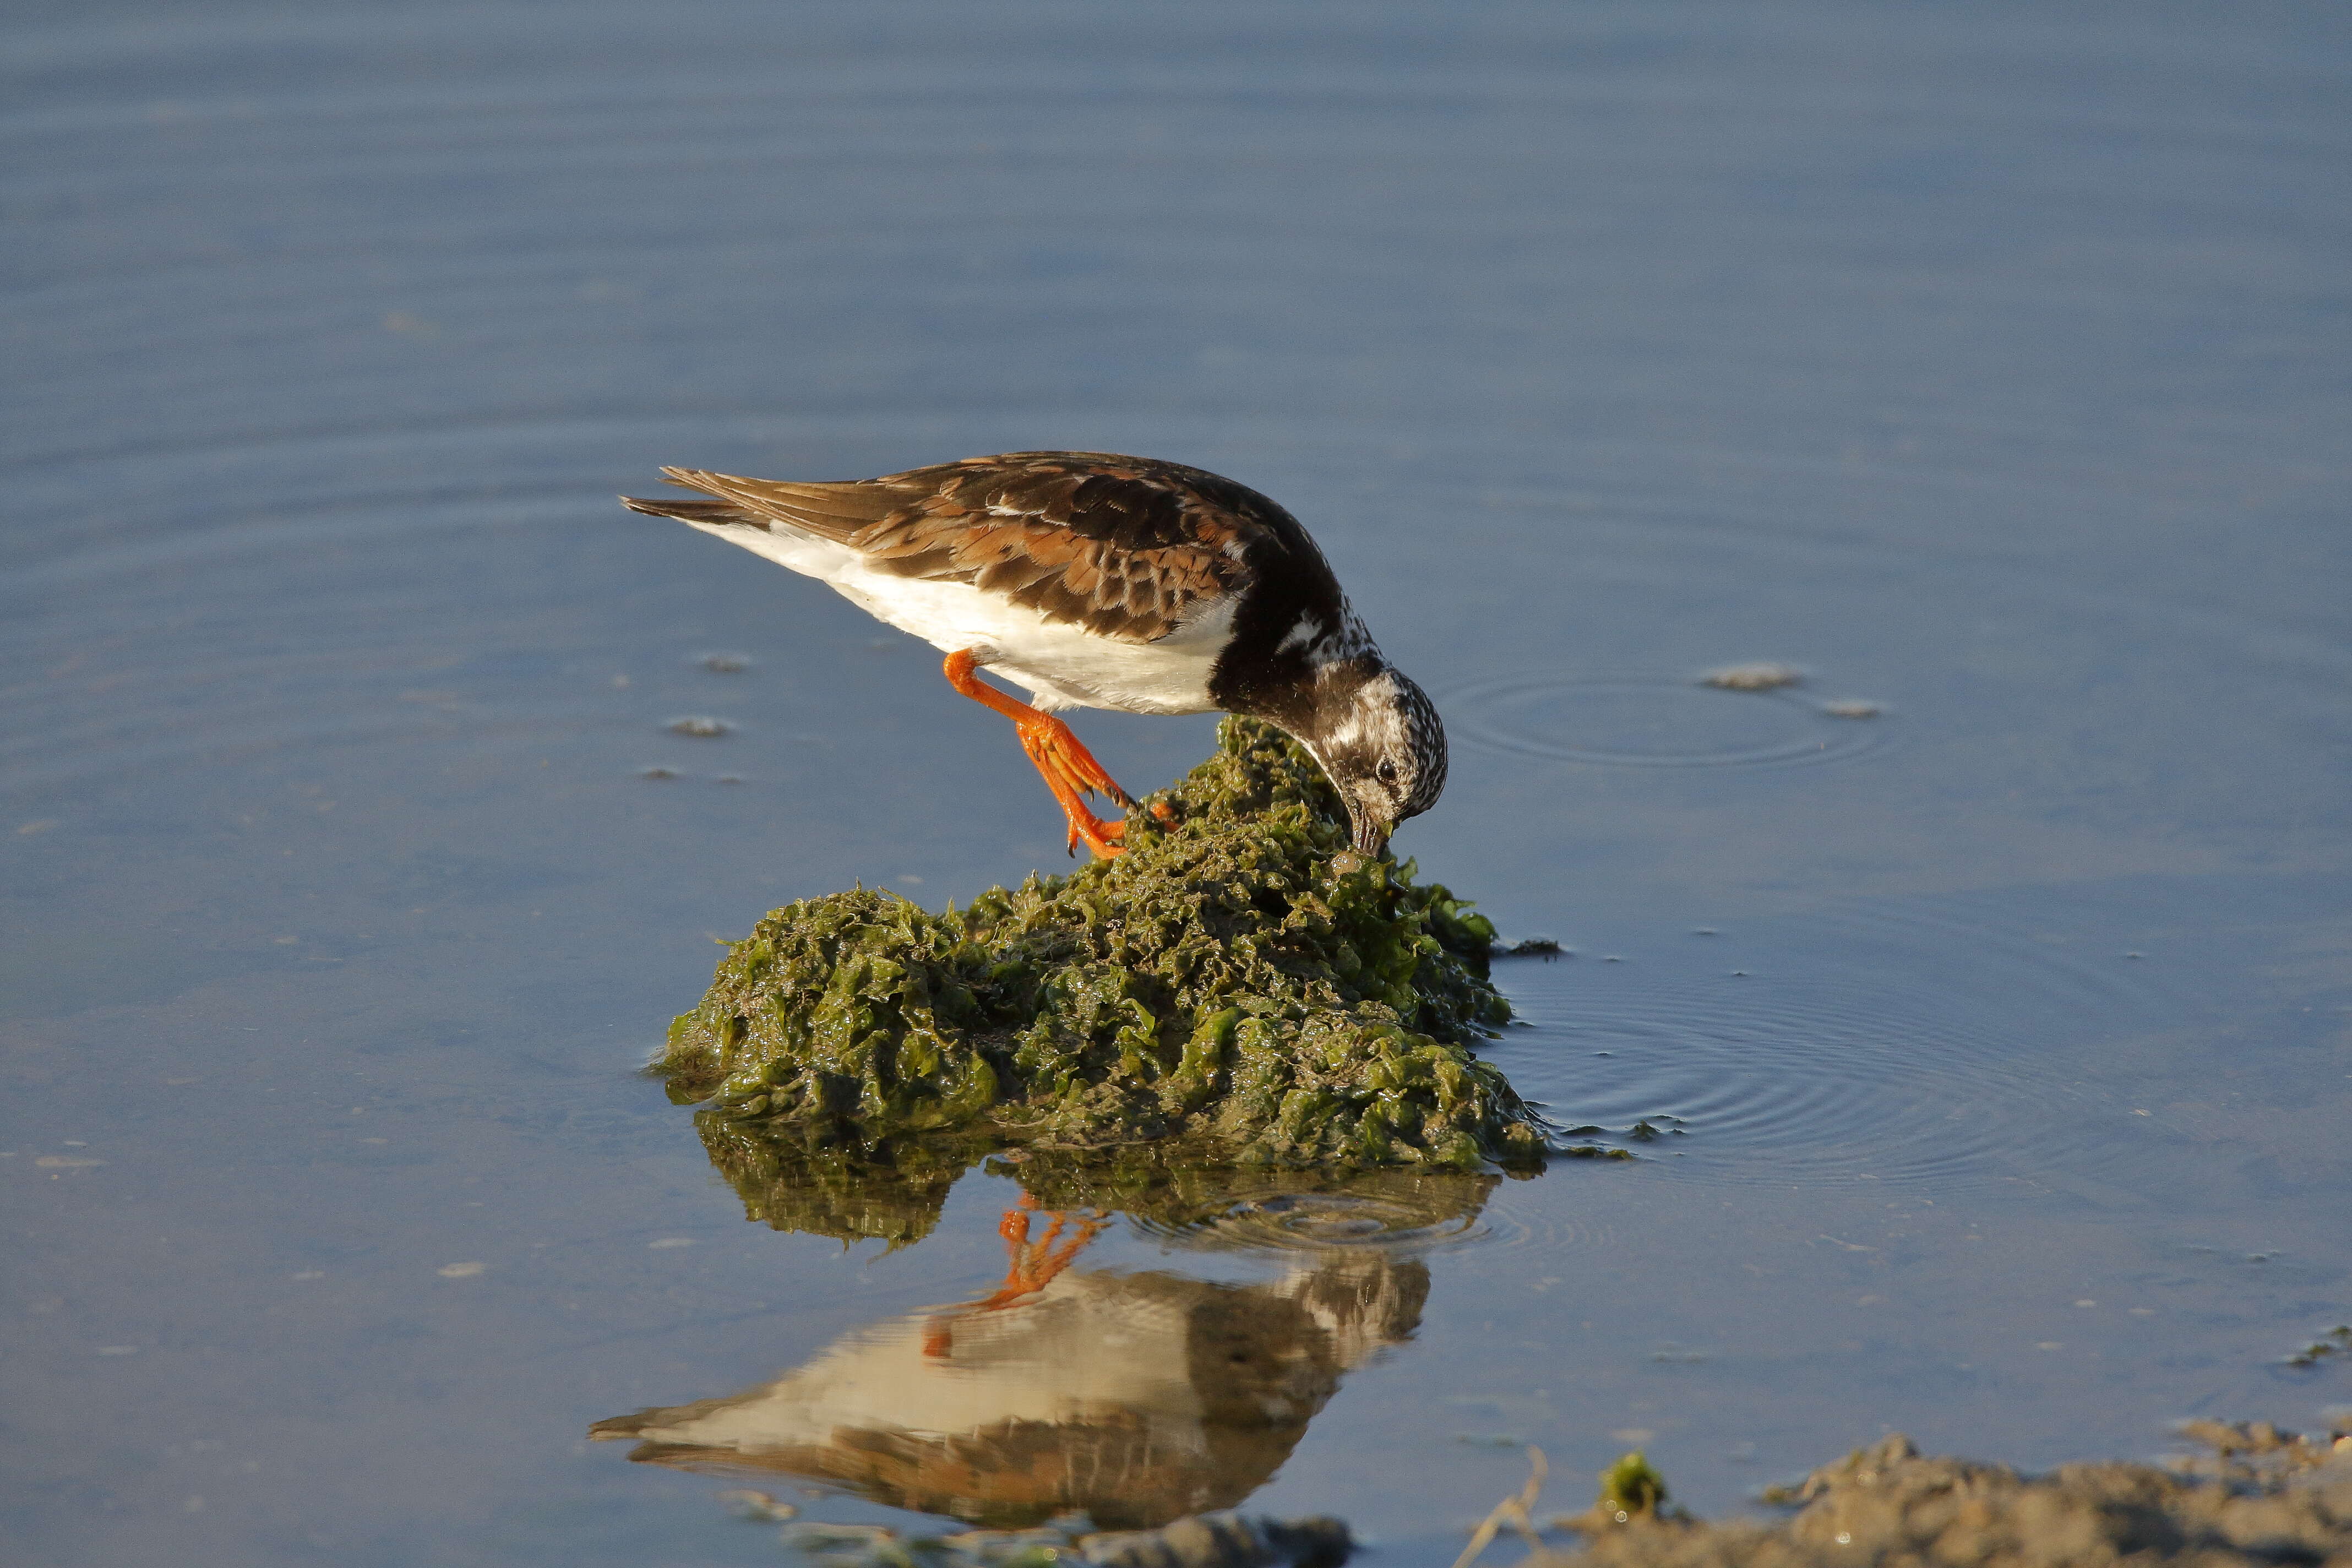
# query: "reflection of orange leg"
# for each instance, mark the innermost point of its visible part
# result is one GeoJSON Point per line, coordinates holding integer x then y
{"type": "Point", "coordinates": [1069, 769]}
{"type": "Point", "coordinates": [1030, 1267]}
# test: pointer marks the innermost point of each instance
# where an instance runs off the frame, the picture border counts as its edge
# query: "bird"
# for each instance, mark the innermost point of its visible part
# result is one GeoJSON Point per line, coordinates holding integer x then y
{"type": "Point", "coordinates": [1095, 580]}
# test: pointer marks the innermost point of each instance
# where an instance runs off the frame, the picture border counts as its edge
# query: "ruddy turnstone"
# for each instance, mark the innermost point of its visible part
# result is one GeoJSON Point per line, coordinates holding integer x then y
{"type": "Point", "coordinates": [1098, 581]}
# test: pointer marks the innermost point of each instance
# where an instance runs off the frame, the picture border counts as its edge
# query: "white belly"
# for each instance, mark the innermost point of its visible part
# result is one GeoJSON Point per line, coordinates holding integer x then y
{"type": "Point", "coordinates": [1062, 665]}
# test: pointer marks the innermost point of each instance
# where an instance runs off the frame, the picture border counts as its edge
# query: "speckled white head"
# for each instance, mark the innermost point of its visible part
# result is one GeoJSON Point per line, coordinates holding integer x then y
{"type": "Point", "coordinates": [1379, 739]}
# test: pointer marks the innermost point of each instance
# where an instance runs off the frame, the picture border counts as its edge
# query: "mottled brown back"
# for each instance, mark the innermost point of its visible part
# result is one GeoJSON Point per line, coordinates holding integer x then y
{"type": "Point", "coordinates": [1126, 547]}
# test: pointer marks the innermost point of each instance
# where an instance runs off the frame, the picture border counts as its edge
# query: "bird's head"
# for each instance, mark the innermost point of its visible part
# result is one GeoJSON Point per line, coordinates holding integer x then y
{"type": "Point", "coordinates": [1379, 737]}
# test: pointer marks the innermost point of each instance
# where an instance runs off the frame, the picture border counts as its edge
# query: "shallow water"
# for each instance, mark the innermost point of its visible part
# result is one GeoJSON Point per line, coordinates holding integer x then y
{"type": "Point", "coordinates": [1986, 366]}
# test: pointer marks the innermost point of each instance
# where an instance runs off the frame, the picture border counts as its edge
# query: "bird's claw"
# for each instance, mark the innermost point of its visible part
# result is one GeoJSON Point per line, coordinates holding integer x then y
{"type": "Point", "coordinates": [1102, 837]}
{"type": "Point", "coordinates": [1108, 838]}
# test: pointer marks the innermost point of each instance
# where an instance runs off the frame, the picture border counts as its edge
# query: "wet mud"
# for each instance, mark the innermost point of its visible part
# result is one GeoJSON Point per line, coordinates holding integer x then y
{"type": "Point", "coordinates": [1197, 1541]}
{"type": "Point", "coordinates": [2257, 1496]}
{"type": "Point", "coordinates": [1238, 981]}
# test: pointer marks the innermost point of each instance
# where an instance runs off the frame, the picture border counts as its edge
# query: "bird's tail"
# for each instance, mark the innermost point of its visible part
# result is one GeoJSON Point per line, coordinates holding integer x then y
{"type": "Point", "coordinates": [702, 513]}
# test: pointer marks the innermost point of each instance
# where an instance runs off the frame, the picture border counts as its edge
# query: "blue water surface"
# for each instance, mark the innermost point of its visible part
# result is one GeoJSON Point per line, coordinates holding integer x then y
{"type": "Point", "coordinates": [1991, 987]}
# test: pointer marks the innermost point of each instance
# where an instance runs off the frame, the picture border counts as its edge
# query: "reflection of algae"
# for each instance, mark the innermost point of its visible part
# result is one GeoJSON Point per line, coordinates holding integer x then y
{"type": "Point", "coordinates": [892, 1190]}
{"type": "Point", "coordinates": [1169, 1195]}
{"type": "Point", "coordinates": [1234, 979]}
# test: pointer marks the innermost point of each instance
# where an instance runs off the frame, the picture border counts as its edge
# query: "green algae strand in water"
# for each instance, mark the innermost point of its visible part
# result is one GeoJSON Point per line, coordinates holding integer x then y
{"type": "Point", "coordinates": [1237, 980]}
{"type": "Point", "coordinates": [1631, 1486]}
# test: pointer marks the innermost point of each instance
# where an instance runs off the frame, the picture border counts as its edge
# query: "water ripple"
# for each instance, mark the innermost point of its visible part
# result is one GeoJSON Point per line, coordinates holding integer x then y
{"type": "Point", "coordinates": [1891, 1048]}
{"type": "Point", "coordinates": [1653, 721]}
{"type": "Point", "coordinates": [1300, 1211]}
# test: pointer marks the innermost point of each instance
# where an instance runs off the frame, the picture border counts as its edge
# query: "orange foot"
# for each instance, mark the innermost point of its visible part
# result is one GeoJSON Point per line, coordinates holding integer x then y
{"type": "Point", "coordinates": [1071, 772]}
{"type": "Point", "coordinates": [1068, 769]}
{"type": "Point", "coordinates": [1095, 828]}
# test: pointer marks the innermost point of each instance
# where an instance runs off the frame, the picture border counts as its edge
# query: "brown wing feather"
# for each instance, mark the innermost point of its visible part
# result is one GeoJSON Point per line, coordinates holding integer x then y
{"type": "Point", "coordinates": [1126, 547]}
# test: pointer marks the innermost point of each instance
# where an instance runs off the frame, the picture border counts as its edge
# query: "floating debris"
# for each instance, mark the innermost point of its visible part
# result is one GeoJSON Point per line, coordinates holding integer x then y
{"type": "Point", "coordinates": [745, 1503]}
{"type": "Point", "coordinates": [701, 726]}
{"type": "Point", "coordinates": [846, 1543]}
{"type": "Point", "coordinates": [1763, 676]}
{"type": "Point", "coordinates": [1851, 708]}
{"type": "Point", "coordinates": [1239, 979]}
{"type": "Point", "coordinates": [725, 663]}
{"type": "Point", "coordinates": [1224, 1541]}
{"type": "Point", "coordinates": [1511, 1510]}
{"type": "Point", "coordinates": [1541, 947]}
{"type": "Point", "coordinates": [2336, 1340]}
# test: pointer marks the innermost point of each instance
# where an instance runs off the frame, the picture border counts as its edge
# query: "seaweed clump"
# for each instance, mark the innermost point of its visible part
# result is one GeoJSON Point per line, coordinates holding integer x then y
{"type": "Point", "coordinates": [1239, 979]}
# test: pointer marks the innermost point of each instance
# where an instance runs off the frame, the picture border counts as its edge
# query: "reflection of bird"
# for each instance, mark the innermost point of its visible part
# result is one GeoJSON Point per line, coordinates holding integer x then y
{"type": "Point", "coordinates": [1105, 581]}
{"type": "Point", "coordinates": [1135, 1398]}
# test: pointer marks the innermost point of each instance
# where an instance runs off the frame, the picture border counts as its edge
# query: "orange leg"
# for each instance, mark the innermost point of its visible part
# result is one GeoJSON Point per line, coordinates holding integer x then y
{"type": "Point", "coordinates": [1030, 1267]}
{"type": "Point", "coordinates": [1069, 769]}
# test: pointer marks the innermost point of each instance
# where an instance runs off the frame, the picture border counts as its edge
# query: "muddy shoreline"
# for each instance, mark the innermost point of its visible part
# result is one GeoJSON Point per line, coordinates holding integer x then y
{"type": "Point", "coordinates": [2255, 1495]}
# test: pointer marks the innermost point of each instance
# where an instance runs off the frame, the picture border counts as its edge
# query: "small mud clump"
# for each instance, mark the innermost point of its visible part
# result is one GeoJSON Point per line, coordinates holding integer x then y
{"type": "Point", "coordinates": [1239, 979]}
{"type": "Point", "coordinates": [2265, 1498]}
{"type": "Point", "coordinates": [1758, 677]}
{"type": "Point", "coordinates": [1196, 1540]}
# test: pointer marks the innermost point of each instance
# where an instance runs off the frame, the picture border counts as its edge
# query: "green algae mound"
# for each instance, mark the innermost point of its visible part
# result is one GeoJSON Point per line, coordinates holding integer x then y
{"type": "Point", "coordinates": [1238, 979]}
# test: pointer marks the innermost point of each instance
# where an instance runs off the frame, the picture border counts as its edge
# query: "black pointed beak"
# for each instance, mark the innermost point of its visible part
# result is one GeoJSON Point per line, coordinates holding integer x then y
{"type": "Point", "coordinates": [1372, 833]}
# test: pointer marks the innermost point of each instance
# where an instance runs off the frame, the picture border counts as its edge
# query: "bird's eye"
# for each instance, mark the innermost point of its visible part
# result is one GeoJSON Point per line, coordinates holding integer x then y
{"type": "Point", "coordinates": [1387, 770]}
